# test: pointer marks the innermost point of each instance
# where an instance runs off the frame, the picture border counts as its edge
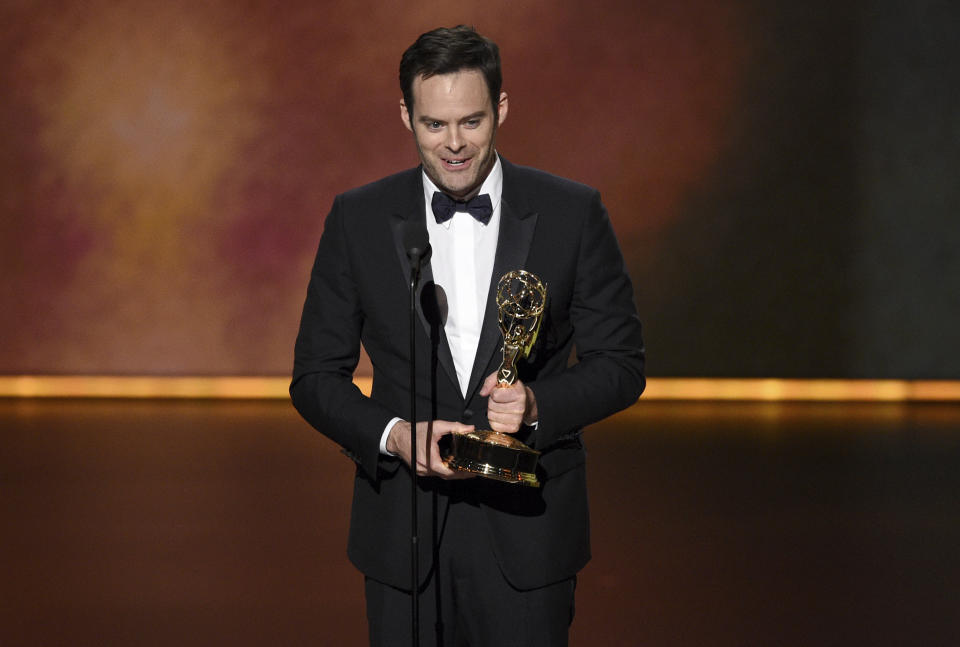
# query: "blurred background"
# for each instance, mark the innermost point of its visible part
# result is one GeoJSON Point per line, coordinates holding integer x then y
{"type": "Point", "coordinates": [781, 176]}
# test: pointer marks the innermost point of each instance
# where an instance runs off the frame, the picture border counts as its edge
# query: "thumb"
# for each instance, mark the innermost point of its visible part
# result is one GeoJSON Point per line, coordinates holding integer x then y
{"type": "Point", "coordinates": [488, 385]}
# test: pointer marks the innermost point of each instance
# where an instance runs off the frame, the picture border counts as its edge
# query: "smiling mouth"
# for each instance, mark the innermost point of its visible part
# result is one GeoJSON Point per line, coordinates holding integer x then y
{"type": "Point", "coordinates": [456, 162]}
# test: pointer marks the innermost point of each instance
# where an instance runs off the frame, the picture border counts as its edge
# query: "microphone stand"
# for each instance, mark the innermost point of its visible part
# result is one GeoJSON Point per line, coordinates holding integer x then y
{"type": "Point", "coordinates": [416, 256]}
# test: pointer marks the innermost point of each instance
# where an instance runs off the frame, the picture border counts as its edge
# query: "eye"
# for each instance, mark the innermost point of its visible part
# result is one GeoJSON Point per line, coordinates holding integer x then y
{"type": "Point", "coordinates": [434, 125]}
{"type": "Point", "coordinates": [472, 123]}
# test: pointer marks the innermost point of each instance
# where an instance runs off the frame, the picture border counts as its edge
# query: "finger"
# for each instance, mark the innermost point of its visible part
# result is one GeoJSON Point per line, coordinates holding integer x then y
{"type": "Point", "coordinates": [433, 463]}
{"type": "Point", "coordinates": [508, 394]}
{"type": "Point", "coordinates": [438, 466]}
{"type": "Point", "coordinates": [450, 428]}
{"type": "Point", "coordinates": [504, 416]}
{"type": "Point", "coordinates": [504, 429]}
{"type": "Point", "coordinates": [453, 474]}
{"type": "Point", "coordinates": [505, 405]}
{"type": "Point", "coordinates": [507, 425]}
{"type": "Point", "coordinates": [489, 385]}
{"type": "Point", "coordinates": [500, 411]}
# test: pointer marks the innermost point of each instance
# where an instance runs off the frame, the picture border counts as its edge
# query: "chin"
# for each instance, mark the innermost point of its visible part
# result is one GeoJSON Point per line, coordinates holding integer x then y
{"type": "Point", "coordinates": [454, 186]}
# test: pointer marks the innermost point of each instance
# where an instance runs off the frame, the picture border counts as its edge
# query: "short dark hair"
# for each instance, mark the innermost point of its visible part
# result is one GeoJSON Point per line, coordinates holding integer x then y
{"type": "Point", "coordinates": [446, 50]}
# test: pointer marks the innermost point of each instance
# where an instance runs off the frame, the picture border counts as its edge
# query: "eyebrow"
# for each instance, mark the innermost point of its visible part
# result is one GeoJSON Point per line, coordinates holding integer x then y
{"type": "Point", "coordinates": [426, 119]}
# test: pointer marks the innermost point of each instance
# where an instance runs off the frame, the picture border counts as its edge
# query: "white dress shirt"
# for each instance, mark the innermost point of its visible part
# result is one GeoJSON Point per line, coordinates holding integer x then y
{"type": "Point", "coordinates": [463, 252]}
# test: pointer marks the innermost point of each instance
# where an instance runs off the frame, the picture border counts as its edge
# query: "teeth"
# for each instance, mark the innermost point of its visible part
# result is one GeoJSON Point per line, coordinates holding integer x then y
{"type": "Point", "coordinates": [455, 162]}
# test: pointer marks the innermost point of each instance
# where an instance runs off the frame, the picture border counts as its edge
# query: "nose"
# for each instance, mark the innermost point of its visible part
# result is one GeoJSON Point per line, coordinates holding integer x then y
{"type": "Point", "coordinates": [454, 141]}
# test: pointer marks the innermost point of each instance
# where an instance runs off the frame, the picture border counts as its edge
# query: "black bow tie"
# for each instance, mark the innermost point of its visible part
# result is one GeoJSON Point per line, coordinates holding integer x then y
{"type": "Point", "coordinates": [444, 207]}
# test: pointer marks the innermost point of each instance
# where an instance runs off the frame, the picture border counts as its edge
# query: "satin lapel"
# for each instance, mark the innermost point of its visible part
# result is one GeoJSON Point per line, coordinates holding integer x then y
{"type": "Point", "coordinates": [517, 225]}
{"type": "Point", "coordinates": [428, 310]}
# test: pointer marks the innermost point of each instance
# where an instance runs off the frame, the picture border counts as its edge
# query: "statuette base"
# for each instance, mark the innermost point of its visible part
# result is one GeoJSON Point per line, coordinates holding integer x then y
{"type": "Point", "coordinates": [494, 455]}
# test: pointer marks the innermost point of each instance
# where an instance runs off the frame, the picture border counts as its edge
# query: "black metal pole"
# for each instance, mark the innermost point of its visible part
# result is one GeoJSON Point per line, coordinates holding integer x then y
{"type": "Point", "coordinates": [417, 244]}
{"type": "Point", "coordinates": [414, 539]}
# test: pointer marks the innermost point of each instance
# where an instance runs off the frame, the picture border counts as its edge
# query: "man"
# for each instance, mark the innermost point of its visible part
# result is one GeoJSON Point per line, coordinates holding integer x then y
{"type": "Point", "coordinates": [498, 562]}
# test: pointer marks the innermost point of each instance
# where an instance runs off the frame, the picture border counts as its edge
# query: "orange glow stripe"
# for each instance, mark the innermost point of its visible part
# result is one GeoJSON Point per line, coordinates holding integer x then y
{"type": "Point", "coordinates": [778, 390]}
{"type": "Point", "coordinates": [733, 389]}
{"type": "Point", "coordinates": [84, 386]}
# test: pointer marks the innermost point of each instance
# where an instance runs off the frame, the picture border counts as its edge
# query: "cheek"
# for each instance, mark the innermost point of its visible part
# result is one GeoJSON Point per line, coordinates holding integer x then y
{"type": "Point", "coordinates": [426, 141]}
{"type": "Point", "coordinates": [484, 140]}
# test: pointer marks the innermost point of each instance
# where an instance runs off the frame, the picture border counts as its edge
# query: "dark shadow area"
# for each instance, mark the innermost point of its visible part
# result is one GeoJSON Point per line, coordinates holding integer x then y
{"type": "Point", "coordinates": [756, 281]}
{"type": "Point", "coordinates": [211, 523]}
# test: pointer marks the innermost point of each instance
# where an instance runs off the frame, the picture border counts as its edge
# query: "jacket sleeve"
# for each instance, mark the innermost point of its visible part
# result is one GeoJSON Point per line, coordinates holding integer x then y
{"type": "Point", "coordinates": [609, 373]}
{"type": "Point", "coordinates": [327, 351]}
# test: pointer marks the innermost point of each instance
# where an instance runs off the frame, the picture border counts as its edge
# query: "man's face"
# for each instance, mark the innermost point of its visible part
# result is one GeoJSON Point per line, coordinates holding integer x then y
{"type": "Point", "coordinates": [455, 129]}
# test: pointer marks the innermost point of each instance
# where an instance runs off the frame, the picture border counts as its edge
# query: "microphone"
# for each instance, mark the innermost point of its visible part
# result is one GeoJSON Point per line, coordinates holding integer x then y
{"type": "Point", "coordinates": [416, 242]}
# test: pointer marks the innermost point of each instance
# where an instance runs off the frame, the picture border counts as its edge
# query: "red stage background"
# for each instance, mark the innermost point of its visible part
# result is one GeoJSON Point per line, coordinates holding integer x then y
{"type": "Point", "coordinates": [166, 169]}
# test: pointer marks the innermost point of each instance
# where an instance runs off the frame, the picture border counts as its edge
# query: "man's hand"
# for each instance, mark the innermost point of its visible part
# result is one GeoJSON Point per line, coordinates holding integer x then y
{"type": "Point", "coordinates": [429, 462]}
{"type": "Point", "coordinates": [509, 406]}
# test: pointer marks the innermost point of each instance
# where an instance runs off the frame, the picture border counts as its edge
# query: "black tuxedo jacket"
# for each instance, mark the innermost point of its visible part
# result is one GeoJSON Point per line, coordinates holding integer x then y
{"type": "Point", "coordinates": [358, 293]}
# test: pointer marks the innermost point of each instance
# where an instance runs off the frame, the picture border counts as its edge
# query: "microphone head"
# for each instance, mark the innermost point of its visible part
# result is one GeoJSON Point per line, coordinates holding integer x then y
{"type": "Point", "coordinates": [416, 241]}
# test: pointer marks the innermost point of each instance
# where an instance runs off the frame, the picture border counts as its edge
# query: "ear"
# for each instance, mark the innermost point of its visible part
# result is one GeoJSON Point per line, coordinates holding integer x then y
{"type": "Point", "coordinates": [405, 116]}
{"type": "Point", "coordinates": [502, 106]}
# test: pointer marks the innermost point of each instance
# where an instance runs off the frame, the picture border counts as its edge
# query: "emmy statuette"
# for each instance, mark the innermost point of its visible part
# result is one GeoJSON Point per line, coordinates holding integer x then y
{"type": "Point", "coordinates": [521, 298]}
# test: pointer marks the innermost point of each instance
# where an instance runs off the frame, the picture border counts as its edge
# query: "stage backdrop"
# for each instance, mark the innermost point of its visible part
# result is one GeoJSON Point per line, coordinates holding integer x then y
{"type": "Point", "coordinates": [782, 176]}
